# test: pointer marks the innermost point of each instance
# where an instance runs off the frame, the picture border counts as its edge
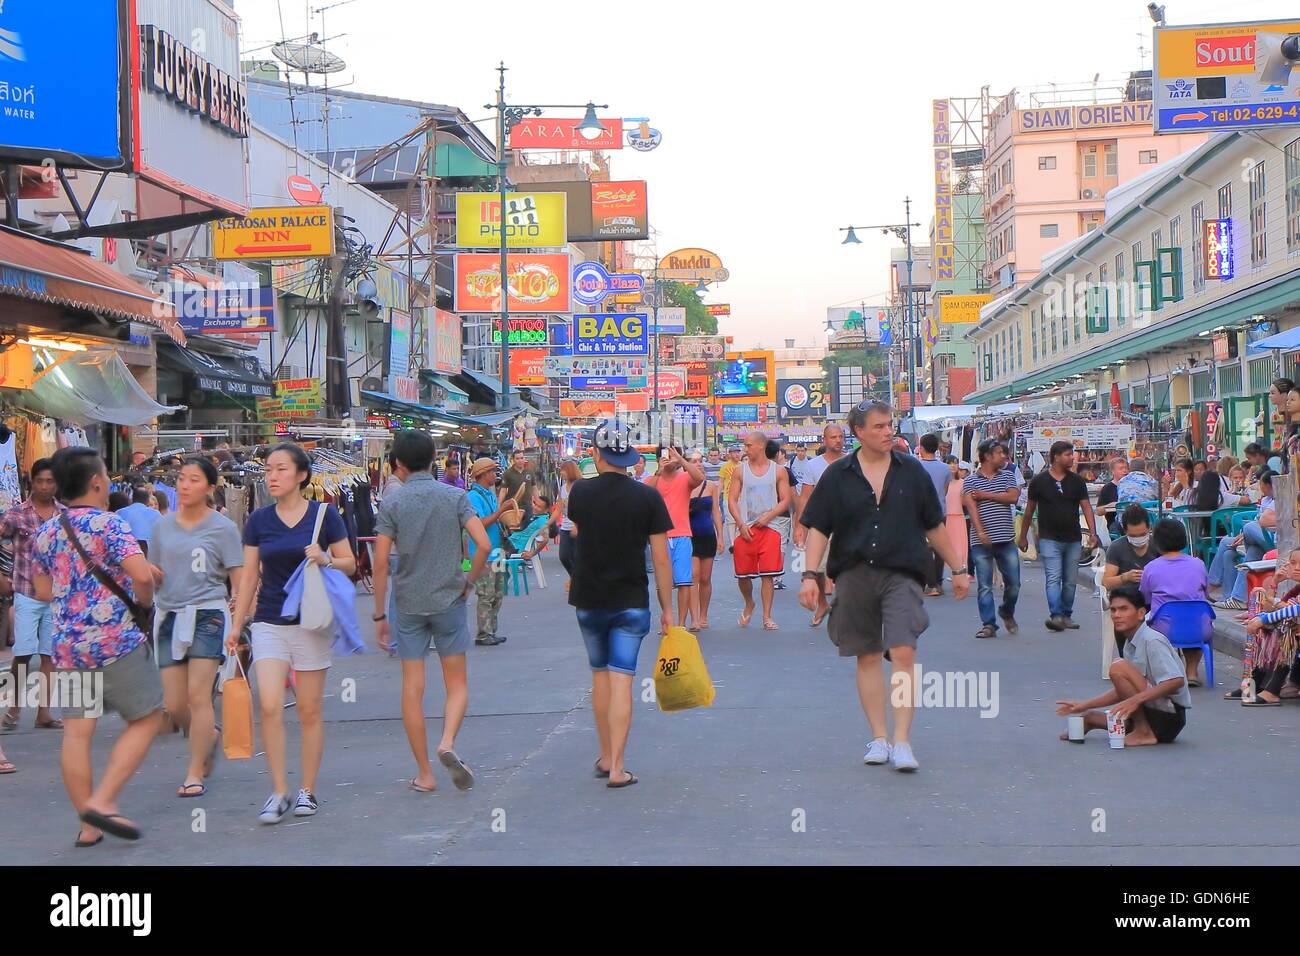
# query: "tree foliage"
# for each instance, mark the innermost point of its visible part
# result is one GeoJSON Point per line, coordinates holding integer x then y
{"type": "Point", "coordinates": [698, 320]}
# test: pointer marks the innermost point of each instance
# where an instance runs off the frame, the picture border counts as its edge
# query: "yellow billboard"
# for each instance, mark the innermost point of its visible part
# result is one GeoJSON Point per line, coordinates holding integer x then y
{"type": "Point", "coordinates": [961, 308]}
{"type": "Point", "coordinates": [532, 220]}
{"type": "Point", "coordinates": [1220, 49]}
{"type": "Point", "coordinates": [275, 232]}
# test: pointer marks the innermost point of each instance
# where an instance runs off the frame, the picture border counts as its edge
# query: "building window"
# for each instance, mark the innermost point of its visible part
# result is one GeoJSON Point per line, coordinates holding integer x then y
{"type": "Point", "coordinates": [1090, 164]}
{"type": "Point", "coordinates": [1200, 386]}
{"type": "Point", "coordinates": [1020, 348]}
{"type": "Point", "coordinates": [1293, 195]}
{"type": "Point", "coordinates": [1046, 162]}
{"type": "Point", "coordinates": [1176, 231]}
{"type": "Point", "coordinates": [1011, 237]}
{"type": "Point", "coordinates": [1147, 156]}
{"type": "Point", "coordinates": [1261, 374]}
{"type": "Point", "coordinates": [1157, 241]}
{"type": "Point", "coordinates": [1111, 153]}
{"type": "Point", "coordinates": [1198, 246]}
{"type": "Point", "coordinates": [1258, 216]}
{"type": "Point", "coordinates": [1049, 230]}
{"type": "Point", "coordinates": [1033, 334]}
{"type": "Point", "coordinates": [1229, 379]}
{"type": "Point", "coordinates": [1053, 334]}
{"type": "Point", "coordinates": [1042, 331]}
{"type": "Point", "coordinates": [1225, 201]}
{"type": "Point", "coordinates": [1121, 293]}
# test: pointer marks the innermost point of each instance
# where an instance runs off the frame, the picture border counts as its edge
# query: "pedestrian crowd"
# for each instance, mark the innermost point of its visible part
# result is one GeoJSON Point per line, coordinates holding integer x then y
{"type": "Point", "coordinates": [154, 600]}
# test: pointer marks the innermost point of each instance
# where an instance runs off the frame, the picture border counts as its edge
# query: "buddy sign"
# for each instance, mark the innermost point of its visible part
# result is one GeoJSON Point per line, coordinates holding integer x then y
{"type": "Point", "coordinates": [532, 219]}
{"type": "Point", "coordinates": [610, 333]}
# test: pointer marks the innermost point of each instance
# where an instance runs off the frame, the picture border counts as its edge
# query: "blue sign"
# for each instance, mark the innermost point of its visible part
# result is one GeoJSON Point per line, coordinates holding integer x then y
{"type": "Point", "coordinates": [686, 414]}
{"type": "Point", "coordinates": [611, 333]}
{"type": "Point", "coordinates": [741, 414]}
{"type": "Point", "coordinates": [1235, 116]}
{"type": "Point", "coordinates": [60, 83]}
{"type": "Point", "coordinates": [1219, 263]}
{"type": "Point", "coordinates": [239, 309]}
{"type": "Point", "coordinates": [592, 283]}
{"type": "Point", "coordinates": [590, 381]}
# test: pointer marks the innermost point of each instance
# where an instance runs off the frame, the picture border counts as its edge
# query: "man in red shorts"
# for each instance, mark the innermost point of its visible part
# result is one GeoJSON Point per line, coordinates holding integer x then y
{"type": "Point", "coordinates": [759, 492]}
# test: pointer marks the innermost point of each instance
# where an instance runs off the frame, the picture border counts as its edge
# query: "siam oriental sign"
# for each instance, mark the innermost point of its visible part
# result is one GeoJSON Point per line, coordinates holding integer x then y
{"type": "Point", "coordinates": [1083, 117]}
{"type": "Point", "coordinates": [944, 249]}
{"type": "Point", "coordinates": [181, 75]}
{"type": "Point", "coordinates": [1219, 263]}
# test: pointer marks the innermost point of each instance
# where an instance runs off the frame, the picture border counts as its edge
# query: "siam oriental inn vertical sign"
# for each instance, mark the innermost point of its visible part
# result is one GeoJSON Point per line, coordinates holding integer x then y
{"type": "Point", "coordinates": [944, 255]}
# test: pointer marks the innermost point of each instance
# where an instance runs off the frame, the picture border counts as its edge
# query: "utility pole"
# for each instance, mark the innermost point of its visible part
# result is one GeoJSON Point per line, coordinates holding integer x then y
{"type": "Point", "coordinates": [338, 395]}
{"type": "Point", "coordinates": [506, 403]}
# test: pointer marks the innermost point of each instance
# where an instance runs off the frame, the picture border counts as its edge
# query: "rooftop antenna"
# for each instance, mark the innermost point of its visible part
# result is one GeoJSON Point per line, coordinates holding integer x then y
{"type": "Point", "coordinates": [312, 59]}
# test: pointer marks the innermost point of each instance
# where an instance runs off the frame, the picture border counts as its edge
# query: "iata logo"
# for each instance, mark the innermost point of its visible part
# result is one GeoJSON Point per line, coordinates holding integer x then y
{"type": "Point", "coordinates": [1226, 51]}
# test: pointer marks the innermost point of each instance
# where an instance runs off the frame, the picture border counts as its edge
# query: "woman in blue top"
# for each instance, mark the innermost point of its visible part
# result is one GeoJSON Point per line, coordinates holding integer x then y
{"type": "Point", "coordinates": [706, 544]}
{"type": "Point", "coordinates": [277, 538]}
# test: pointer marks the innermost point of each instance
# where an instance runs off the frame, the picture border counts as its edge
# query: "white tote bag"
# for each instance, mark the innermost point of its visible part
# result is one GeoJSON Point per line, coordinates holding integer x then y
{"type": "Point", "coordinates": [316, 613]}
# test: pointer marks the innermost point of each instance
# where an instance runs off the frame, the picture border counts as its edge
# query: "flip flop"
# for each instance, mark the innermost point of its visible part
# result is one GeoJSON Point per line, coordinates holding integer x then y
{"type": "Point", "coordinates": [418, 789]}
{"type": "Point", "coordinates": [1233, 694]}
{"type": "Point", "coordinates": [7, 766]}
{"type": "Point", "coordinates": [51, 724]}
{"type": "Point", "coordinates": [771, 626]}
{"type": "Point", "coordinates": [114, 824]}
{"type": "Point", "coordinates": [82, 844]}
{"type": "Point", "coordinates": [744, 619]}
{"type": "Point", "coordinates": [461, 775]}
{"type": "Point", "coordinates": [598, 773]}
{"type": "Point", "coordinates": [1261, 702]}
{"type": "Point", "coordinates": [184, 790]}
{"type": "Point", "coordinates": [817, 621]}
{"type": "Point", "coordinates": [8, 722]}
{"type": "Point", "coordinates": [1194, 682]}
{"type": "Point", "coordinates": [631, 779]}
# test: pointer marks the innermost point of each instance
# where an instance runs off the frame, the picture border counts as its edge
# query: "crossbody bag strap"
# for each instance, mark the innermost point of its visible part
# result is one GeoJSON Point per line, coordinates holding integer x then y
{"type": "Point", "coordinates": [100, 575]}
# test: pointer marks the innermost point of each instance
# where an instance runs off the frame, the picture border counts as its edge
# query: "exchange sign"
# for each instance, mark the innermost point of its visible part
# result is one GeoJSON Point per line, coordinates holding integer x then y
{"type": "Point", "coordinates": [532, 219]}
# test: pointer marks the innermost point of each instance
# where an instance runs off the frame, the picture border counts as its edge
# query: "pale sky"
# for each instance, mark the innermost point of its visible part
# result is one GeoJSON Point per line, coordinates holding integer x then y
{"type": "Point", "coordinates": [781, 123]}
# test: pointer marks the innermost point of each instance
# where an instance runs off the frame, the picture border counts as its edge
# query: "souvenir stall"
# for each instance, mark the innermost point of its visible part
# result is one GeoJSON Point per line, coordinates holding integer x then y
{"type": "Point", "coordinates": [1096, 442]}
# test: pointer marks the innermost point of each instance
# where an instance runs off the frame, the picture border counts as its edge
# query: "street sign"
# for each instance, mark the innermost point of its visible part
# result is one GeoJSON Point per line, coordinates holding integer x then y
{"type": "Point", "coordinates": [961, 308]}
{"type": "Point", "coordinates": [610, 333]}
{"type": "Point", "coordinates": [669, 320]}
{"type": "Point", "coordinates": [524, 330]}
{"type": "Point", "coordinates": [532, 220]}
{"type": "Point", "coordinates": [548, 133]}
{"type": "Point", "coordinates": [692, 265]}
{"type": "Point", "coordinates": [607, 381]}
{"type": "Point", "coordinates": [563, 366]}
{"type": "Point", "coordinates": [1225, 76]}
{"type": "Point", "coordinates": [275, 232]}
{"type": "Point", "coordinates": [718, 309]}
{"type": "Point", "coordinates": [1218, 263]}
{"type": "Point", "coordinates": [700, 348]}
{"type": "Point", "coordinates": [539, 282]}
{"type": "Point", "coordinates": [672, 381]}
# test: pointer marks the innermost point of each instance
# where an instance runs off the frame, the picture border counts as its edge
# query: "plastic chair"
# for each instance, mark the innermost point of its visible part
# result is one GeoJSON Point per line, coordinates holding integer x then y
{"type": "Point", "coordinates": [1189, 624]}
{"type": "Point", "coordinates": [1238, 520]}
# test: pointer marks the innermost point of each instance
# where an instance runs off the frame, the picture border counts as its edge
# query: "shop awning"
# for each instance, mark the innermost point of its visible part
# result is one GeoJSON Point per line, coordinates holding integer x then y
{"type": "Point", "coordinates": [46, 271]}
{"type": "Point", "coordinates": [454, 392]}
{"type": "Point", "coordinates": [1285, 341]}
{"type": "Point", "coordinates": [234, 375]}
{"type": "Point", "coordinates": [95, 386]}
{"type": "Point", "coordinates": [426, 413]}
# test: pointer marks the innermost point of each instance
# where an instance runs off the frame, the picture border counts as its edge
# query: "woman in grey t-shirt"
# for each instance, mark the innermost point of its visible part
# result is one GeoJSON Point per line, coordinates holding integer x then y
{"type": "Point", "coordinates": [193, 550]}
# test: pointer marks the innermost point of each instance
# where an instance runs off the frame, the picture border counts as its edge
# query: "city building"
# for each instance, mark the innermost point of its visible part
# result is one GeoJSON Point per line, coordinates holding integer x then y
{"type": "Point", "coordinates": [1193, 262]}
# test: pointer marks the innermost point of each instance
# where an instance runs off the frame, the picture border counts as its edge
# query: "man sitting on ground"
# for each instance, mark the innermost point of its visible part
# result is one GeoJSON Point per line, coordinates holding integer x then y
{"type": "Point", "coordinates": [1149, 689]}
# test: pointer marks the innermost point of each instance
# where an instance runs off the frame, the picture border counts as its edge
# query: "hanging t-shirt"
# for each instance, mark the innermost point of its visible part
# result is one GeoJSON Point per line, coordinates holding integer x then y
{"type": "Point", "coordinates": [10, 493]}
{"type": "Point", "coordinates": [280, 551]}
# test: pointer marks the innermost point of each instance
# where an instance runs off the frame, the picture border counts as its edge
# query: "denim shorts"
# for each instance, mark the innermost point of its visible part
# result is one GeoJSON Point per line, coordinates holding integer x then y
{"type": "Point", "coordinates": [209, 638]}
{"type": "Point", "coordinates": [33, 627]}
{"type": "Point", "coordinates": [613, 638]}
{"type": "Point", "coordinates": [447, 631]}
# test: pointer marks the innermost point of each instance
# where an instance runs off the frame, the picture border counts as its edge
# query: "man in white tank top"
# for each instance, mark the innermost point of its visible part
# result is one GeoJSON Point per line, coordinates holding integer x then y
{"type": "Point", "coordinates": [759, 492]}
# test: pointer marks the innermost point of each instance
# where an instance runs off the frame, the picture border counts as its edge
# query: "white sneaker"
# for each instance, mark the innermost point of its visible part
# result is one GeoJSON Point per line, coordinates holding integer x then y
{"type": "Point", "coordinates": [877, 752]}
{"type": "Point", "coordinates": [306, 805]}
{"type": "Point", "coordinates": [901, 756]}
{"type": "Point", "coordinates": [277, 805]}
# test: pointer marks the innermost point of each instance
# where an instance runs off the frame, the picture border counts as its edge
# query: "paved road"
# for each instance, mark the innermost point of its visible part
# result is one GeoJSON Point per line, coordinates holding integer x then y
{"type": "Point", "coordinates": [728, 784]}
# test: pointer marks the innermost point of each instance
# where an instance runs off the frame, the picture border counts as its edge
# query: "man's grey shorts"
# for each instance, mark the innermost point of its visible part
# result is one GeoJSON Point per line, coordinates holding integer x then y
{"type": "Point", "coordinates": [874, 609]}
{"type": "Point", "coordinates": [447, 631]}
{"type": "Point", "coordinates": [129, 686]}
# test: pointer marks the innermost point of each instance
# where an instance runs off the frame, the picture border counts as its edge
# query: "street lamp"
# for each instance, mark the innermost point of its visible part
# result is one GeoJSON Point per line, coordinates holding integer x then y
{"type": "Point", "coordinates": [507, 118]}
{"type": "Point", "coordinates": [902, 231]}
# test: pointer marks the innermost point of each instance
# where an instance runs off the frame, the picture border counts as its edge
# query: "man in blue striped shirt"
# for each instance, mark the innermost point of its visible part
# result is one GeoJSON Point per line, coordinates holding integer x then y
{"type": "Point", "coordinates": [988, 494]}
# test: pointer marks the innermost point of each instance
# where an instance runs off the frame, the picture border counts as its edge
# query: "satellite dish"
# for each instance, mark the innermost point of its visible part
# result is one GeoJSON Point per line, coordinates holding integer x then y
{"type": "Point", "coordinates": [308, 58]}
{"type": "Point", "coordinates": [372, 384]}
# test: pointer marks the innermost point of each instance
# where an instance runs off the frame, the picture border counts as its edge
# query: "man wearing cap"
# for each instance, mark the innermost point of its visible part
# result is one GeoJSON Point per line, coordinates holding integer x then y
{"type": "Point", "coordinates": [491, 587]}
{"type": "Point", "coordinates": [613, 518]}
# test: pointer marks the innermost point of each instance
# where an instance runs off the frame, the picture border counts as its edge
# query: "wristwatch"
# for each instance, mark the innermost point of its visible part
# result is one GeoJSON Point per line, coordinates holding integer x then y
{"type": "Point", "coordinates": [962, 570]}
{"type": "Point", "coordinates": [808, 575]}
{"type": "Point", "coordinates": [379, 618]}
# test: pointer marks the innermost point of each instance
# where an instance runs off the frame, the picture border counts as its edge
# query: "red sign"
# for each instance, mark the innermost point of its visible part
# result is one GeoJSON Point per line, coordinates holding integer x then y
{"type": "Point", "coordinates": [303, 191]}
{"type": "Point", "coordinates": [545, 133]}
{"type": "Point", "coordinates": [538, 282]}
{"type": "Point", "coordinates": [586, 408]}
{"type": "Point", "coordinates": [672, 382]}
{"type": "Point", "coordinates": [1226, 51]}
{"type": "Point", "coordinates": [718, 309]}
{"type": "Point", "coordinates": [526, 366]}
{"type": "Point", "coordinates": [619, 209]}
{"type": "Point", "coordinates": [634, 401]}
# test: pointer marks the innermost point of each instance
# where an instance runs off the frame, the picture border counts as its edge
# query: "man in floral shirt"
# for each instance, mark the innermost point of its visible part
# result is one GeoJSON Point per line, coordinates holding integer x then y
{"type": "Point", "coordinates": [105, 662]}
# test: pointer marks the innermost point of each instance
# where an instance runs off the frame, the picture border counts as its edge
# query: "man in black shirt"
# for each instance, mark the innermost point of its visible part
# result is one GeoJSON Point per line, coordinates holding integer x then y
{"type": "Point", "coordinates": [1055, 496]}
{"type": "Point", "coordinates": [885, 515]}
{"type": "Point", "coordinates": [613, 517]}
{"type": "Point", "coordinates": [1108, 497]}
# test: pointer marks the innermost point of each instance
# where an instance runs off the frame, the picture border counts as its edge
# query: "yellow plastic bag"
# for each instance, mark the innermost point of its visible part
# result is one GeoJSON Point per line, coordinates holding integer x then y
{"type": "Point", "coordinates": [681, 679]}
{"type": "Point", "coordinates": [1032, 553]}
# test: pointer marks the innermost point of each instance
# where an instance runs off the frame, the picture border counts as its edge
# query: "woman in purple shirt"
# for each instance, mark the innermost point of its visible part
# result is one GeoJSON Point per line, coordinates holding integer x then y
{"type": "Point", "coordinates": [1174, 576]}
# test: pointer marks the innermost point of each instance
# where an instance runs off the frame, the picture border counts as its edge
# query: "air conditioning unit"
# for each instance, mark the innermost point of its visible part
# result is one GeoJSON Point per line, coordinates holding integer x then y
{"type": "Point", "coordinates": [372, 384]}
{"type": "Point", "coordinates": [286, 372]}
{"type": "Point", "coordinates": [1087, 194]}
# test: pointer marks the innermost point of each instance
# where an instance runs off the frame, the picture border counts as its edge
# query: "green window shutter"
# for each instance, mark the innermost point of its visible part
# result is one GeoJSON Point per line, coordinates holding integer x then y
{"type": "Point", "coordinates": [1147, 273]}
{"type": "Point", "coordinates": [1097, 302]}
{"type": "Point", "coordinates": [1170, 274]}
